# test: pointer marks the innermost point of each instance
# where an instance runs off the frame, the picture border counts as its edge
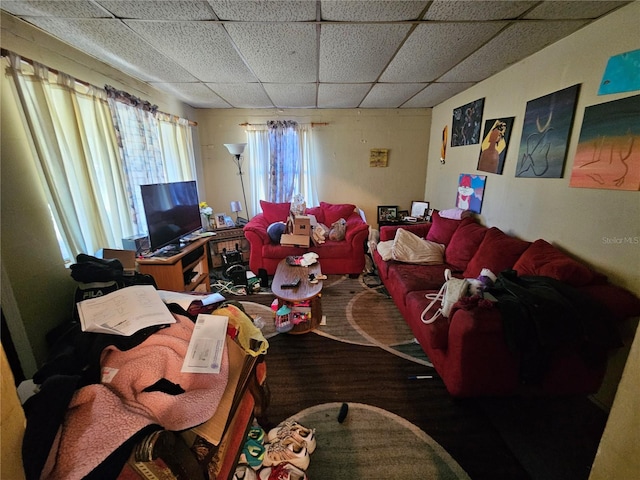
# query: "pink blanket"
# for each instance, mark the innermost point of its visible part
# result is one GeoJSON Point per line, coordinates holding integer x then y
{"type": "Point", "coordinates": [103, 416]}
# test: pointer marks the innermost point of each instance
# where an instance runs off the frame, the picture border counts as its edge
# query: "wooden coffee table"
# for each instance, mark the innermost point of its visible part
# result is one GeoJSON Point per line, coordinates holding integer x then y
{"type": "Point", "coordinates": [305, 291]}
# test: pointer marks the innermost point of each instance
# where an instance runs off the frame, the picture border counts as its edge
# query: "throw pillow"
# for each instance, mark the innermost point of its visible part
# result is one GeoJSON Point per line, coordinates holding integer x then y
{"type": "Point", "coordinates": [275, 231]}
{"type": "Point", "coordinates": [442, 229]}
{"type": "Point", "coordinates": [316, 212]}
{"type": "Point", "coordinates": [497, 252]}
{"type": "Point", "coordinates": [275, 212]}
{"type": "Point", "coordinates": [543, 259]}
{"type": "Point", "coordinates": [334, 212]}
{"type": "Point", "coordinates": [464, 243]}
{"type": "Point", "coordinates": [385, 249]}
{"type": "Point", "coordinates": [410, 248]}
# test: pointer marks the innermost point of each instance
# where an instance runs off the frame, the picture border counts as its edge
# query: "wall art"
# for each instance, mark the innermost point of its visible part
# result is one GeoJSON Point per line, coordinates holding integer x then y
{"type": "Point", "coordinates": [467, 122]}
{"type": "Point", "coordinates": [608, 152]}
{"type": "Point", "coordinates": [378, 157]}
{"type": "Point", "coordinates": [621, 74]}
{"type": "Point", "coordinates": [493, 149]}
{"type": "Point", "coordinates": [545, 134]}
{"type": "Point", "coordinates": [470, 192]}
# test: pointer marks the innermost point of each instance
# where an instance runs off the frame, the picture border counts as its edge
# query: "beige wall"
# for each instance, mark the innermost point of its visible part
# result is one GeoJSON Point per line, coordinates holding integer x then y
{"type": "Point", "coordinates": [575, 219]}
{"type": "Point", "coordinates": [37, 290]}
{"type": "Point", "coordinates": [342, 152]}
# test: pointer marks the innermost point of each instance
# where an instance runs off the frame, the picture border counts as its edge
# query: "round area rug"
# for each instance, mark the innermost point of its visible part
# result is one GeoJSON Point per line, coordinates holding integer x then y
{"type": "Point", "coordinates": [354, 313]}
{"type": "Point", "coordinates": [373, 443]}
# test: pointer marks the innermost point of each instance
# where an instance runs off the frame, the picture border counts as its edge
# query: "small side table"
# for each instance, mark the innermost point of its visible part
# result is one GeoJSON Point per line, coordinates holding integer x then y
{"type": "Point", "coordinates": [227, 238]}
{"type": "Point", "coordinates": [286, 273]}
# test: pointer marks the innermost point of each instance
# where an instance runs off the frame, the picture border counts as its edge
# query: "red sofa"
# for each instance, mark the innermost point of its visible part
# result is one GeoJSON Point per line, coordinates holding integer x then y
{"type": "Point", "coordinates": [469, 349]}
{"type": "Point", "coordinates": [336, 257]}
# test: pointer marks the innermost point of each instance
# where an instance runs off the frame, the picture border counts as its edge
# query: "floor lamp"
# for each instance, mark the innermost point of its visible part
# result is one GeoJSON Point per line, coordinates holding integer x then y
{"type": "Point", "coordinates": [236, 150]}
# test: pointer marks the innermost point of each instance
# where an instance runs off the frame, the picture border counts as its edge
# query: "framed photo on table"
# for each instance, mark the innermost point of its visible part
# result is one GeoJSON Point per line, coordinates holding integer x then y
{"type": "Point", "coordinates": [419, 209]}
{"type": "Point", "coordinates": [220, 220]}
{"type": "Point", "coordinates": [387, 213]}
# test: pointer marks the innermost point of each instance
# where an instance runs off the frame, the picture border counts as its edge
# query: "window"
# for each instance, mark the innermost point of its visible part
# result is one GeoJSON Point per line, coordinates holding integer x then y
{"type": "Point", "coordinates": [90, 186]}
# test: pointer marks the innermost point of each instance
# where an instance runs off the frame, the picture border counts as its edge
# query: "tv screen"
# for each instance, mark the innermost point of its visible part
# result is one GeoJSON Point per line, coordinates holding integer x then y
{"type": "Point", "coordinates": [172, 211]}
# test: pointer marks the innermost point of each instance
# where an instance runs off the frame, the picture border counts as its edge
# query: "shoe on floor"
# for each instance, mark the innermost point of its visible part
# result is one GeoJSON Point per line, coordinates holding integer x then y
{"type": "Point", "coordinates": [256, 433]}
{"type": "Point", "coordinates": [253, 453]}
{"type": "Point", "coordinates": [244, 472]}
{"type": "Point", "coordinates": [282, 471]}
{"type": "Point", "coordinates": [295, 430]}
{"type": "Point", "coordinates": [286, 450]}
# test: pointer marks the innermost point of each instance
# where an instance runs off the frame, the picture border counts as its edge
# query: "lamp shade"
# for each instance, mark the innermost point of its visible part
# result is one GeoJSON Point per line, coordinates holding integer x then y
{"type": "Point", "coordinates": [235, 148]}
{"type": "Point", "coordinates": [236, 206]}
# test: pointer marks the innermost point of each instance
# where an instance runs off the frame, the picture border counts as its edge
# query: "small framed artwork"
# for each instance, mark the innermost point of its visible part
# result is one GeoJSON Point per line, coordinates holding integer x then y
{"type": "Point", "coordinates": [387, 213]}
{"type": "Point", "coordinates": [220, 222]}
{"type": "Point", "coordinates": [378, 157]}
{"type": "Point", "coordinates": [228, 221]}
{"type": "Point", "coordinates": [402, 214]}
{"type": "Point", "coordinates": [419, 208]}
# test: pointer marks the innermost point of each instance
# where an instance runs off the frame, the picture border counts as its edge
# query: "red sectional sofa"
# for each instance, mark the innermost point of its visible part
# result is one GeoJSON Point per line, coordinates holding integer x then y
{"type": "Point", "coordinates": [469, 349]}
{"type": "Point", "coordinates": [336, 257]}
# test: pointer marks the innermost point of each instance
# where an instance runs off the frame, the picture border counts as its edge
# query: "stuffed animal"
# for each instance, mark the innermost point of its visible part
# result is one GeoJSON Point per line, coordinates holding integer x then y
{"type": "Point", "coordinates": [478, 285]}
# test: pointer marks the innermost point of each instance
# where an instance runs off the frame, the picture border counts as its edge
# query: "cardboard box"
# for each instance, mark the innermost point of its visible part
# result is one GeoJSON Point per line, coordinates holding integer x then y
{"type": "Point", "coordinates": [294, 240]}
{"type": "Point", "coordinates": [302, 225]}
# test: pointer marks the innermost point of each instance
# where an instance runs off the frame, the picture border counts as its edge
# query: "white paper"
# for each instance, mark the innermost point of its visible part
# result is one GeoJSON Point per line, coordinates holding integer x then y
{"type": "Point", "coordinates": [185, 299]}
{"type": "Point", "coordinates": [206, 346]}
{"type": "Point", "coordinates": [124, 311]}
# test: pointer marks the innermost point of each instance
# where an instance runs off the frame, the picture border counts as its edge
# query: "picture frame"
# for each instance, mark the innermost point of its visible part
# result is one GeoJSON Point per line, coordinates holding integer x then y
{"type": "Point", "coordinates": [228, 221]}
{"type": "Point", "coordinates": [387, 213]}
{"type": "Point", "coordinates": [220, 222]}
{"type": "Point", "coordinates": [402, 214]}
{"type": "Point", "coordinates": [419, 208]}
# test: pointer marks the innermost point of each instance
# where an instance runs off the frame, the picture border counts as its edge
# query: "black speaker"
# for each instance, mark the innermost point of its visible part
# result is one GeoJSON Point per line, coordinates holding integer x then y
{"type": "Point", "coordinates": [264, 278]}
{"type": "Point", "coordinates": [237, 274]}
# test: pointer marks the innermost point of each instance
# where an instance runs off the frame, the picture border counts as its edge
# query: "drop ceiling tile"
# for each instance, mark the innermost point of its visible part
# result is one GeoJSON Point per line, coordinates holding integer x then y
{"type": "Point", "coordinates": [474, 10]}
{"type": "Point", "coordinates": [357, 53]}
{"type": "Point", "coordinates": [277, 53]}
{"type": "Point", "coordinates": [243, 95]}
{"type": "Point", "coordinates": [159, 9]}
{"type": "Point", "coordinates": [261, 11]}
{"type": "Point", "coordinates": [390, 95]}
{"type": "Point", "coordinates": [434, 48]}
{"type": "Point", "coordinates": [435, 94]}
{"type": "Point", "coordinates": [334, 95]}
{"type": "Point", "coordinates": [195, 94]}
{"type": "Point", "coordinates": [203, 48]}
{"type": "Point", "coordinates": [292, 95]}
{"type": "Point", "coordinates": [54, 8]}
{"type": "Point", "coordinates": [112, 42]}
{"type": "Point", "coordinates": [516, 42]}
{"type": "Point", "coordinates": [368, 11]}
{"type": "Point", "coordinates": [554, 10]}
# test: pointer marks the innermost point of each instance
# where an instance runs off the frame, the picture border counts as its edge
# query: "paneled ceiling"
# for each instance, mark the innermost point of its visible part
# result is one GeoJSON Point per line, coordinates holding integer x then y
{"type": "Point", "coordinates": [309, 53]}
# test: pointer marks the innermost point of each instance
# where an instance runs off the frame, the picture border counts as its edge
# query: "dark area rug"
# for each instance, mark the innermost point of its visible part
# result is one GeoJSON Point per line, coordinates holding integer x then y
{"type": "Point", "coordinates": [364, 355]}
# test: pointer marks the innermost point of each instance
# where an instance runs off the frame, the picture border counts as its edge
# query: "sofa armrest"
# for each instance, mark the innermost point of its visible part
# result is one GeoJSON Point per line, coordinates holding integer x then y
{"type": "Point", "coordinates": [357, 230]}
{"type": "Point", "coordinates": [256, 230]}
{"type": "Point", "coordinates": [388, 232]}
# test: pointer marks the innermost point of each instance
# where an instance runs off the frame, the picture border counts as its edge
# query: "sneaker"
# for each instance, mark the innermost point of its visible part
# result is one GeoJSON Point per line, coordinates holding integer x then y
{"type": "Point", "coordinates": [244, 472]}
{"type": "Point", "coordinates": [256, 433]}
{"type": "Point", "coordinates": [283, 471]}
{"type": "Point", "coordinates": [253, 453]}
{"type": "Point", "coordinates": [286, 450]}
{"type": "Point", "coordinates": [296, 431]}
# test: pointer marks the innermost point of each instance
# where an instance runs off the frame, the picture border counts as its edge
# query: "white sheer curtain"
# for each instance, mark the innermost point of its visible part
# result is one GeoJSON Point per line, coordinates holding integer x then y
{"type": "Point", "coordinates": [90, 165]}
{"type": "Point", "coordinates": [76, 150]}
{"type": "Point", "coordinates": [280, 168]}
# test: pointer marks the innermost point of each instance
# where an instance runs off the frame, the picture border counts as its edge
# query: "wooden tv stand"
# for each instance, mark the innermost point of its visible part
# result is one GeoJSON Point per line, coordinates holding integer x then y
{"type": "Point", "coordinates": [183, 272]}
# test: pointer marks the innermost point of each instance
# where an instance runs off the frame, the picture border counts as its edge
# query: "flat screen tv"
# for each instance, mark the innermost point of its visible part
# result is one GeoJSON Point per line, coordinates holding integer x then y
{"type": "Point", "coordinates": [172, 211]}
